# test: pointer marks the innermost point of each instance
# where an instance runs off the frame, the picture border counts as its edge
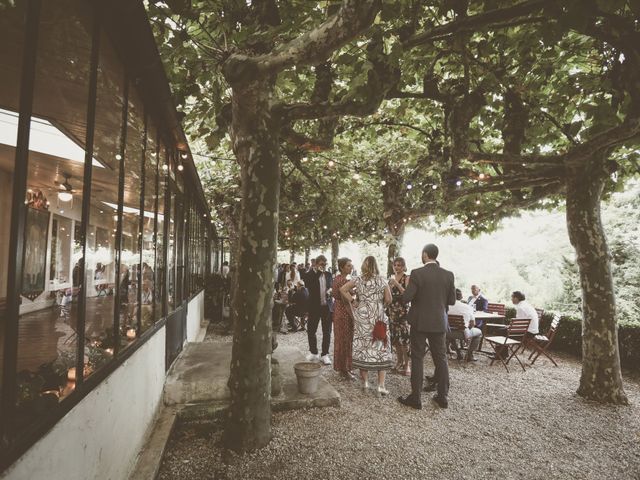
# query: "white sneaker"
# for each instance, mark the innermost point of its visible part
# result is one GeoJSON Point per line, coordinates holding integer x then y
{"type": "Point", "coordinates": [325, 359]}
{"type": "Point", "coordinates": [382, 390]}
{"type": "Point", "coordinates": [312, 357]}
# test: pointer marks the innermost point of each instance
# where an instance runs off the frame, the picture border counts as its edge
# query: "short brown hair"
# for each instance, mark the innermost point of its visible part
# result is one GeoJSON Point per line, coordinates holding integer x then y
{"type": "Point", "coordinates": [342, 262]}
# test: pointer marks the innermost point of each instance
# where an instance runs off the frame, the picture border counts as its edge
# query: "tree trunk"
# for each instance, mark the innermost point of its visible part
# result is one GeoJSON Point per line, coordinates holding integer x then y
{"type": "Point", "coordinates": [601, 378]}
{"type": "Point", "coordinates": [255, 145]}
{"type": "Point", "coordinates": [307, 255]}
{"type": "Point", "coordinates": [393, 249]}
{"type": "Point", "coordinates": [335, 253]}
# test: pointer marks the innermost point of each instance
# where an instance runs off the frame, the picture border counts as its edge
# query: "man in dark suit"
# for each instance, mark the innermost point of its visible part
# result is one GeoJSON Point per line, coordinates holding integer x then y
{"type": "Point", "coordinates": [431, 290]}
{"type": "Point", "coordinates": [479, 301]}
{"type": "Point", "coordinates": [319, 283]}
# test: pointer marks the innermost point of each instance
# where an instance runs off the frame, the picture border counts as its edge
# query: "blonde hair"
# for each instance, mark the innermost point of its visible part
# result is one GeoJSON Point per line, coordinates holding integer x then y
{"type": "Point", "coordinates": [369, 268]}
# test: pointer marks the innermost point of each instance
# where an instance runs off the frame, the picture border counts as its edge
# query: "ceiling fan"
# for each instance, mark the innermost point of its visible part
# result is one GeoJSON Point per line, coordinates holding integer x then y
{"type": "Point", "coordinates": [65, 190]}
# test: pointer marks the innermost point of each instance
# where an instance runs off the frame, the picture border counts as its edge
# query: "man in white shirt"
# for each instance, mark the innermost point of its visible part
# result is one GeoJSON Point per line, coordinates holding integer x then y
{"type": "Point", "coordinates": [525, 310]}
{"type": "Point", "coordinates": [471, 332]}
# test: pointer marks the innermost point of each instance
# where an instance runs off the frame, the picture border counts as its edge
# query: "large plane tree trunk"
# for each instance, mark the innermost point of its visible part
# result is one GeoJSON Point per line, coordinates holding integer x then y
{"type": "Point", "coordinates": [601, 378]}
{"type": "Point", "coordinates": [393, 248]}
{"type": "Point", "coordinates": [255, 145]}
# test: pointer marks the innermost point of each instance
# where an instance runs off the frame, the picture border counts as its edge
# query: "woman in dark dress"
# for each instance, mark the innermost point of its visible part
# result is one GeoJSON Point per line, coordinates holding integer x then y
{"type": "Point", "coordinates": [342, 323]}
{"type": "Point", "coordinates": [398, 316]}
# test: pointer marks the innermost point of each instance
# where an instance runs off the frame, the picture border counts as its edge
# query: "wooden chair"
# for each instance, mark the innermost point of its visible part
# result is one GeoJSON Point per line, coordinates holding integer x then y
{"type": "Point", "coordinates": [456, 331]}
{"type": "Point", "coordinates": [540, 343]}
{"type": "Point", "coordinates": [510, 342]}
{"type": "Point", "coordinates": [498, 308]}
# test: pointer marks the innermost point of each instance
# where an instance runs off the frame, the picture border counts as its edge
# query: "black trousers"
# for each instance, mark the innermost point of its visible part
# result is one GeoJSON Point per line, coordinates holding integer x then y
{"type": "Point", "coordinates": [316, 315]}
{"type": "Point", "coordinates": [291, 312]}
{"type": "Point", "coordinates": [438, 348]}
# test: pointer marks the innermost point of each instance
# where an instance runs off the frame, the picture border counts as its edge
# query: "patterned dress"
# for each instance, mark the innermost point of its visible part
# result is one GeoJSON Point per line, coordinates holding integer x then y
{"type": "Point", "coordinates": [367, 353]}
{"type": "Point", "coordinates": [342, 329]}
{"type": "Point", "coordinates": [398, 316]}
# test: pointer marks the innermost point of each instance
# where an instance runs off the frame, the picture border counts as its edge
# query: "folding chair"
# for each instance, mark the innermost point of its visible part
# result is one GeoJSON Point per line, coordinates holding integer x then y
{"type": "Point", "coordinates": [498, 308]}
{"type": "Point", "coordinates": [456, 331]}
{"type": "Point", "coordinates": [512, 342]}
{"type": "Point", "coordinates": [540, 343]}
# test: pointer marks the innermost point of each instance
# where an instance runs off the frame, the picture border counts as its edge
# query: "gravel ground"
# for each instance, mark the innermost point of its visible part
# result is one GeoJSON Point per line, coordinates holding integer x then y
{"type": "Point", "coordinates": [498, 425]}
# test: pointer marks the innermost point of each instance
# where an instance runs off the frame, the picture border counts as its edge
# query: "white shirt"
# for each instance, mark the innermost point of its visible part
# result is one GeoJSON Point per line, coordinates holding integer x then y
{"type": "Point", "coordinates": [461, 308]}
{"type": "Point", "coordinates": [295, 279]}
{"type": "Point", "coordinates": [472, 300]}
{"type": "Point", "coordinates": [323, 289]}
{"type": "Point", "coordinates": [525, 310]}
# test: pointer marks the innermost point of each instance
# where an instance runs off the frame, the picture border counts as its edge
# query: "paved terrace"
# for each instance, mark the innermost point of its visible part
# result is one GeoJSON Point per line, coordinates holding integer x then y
{"type": "Point", "coordinates": [499, 425]}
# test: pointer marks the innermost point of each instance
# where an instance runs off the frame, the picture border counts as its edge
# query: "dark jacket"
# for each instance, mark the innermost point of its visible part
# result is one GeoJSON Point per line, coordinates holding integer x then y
{"type": "Point", "coordinates": [481, 303]}
{"type": "Point", "coordinates": [431, 290]}
{"type": "Point", "coordinates": [299, 300]}
{"type": "Point", "coordinates": [312, 282]}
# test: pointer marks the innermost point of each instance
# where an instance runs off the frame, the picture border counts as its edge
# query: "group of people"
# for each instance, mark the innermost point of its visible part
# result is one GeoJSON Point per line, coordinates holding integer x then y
{"type": "Point", "coordinates": [382, 324]}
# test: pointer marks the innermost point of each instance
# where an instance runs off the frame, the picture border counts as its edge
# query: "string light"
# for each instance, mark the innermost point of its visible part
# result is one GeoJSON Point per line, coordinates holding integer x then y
{"type": "Point", "coordinates": [482, 176]}
{"type": "Point", "coordinates": [477, 202]}
{"type": "Point", "coordinates": [356, 176]}
{"type": "Point", "coordinates": [434, 187]}
{"type": "Point", "coordinates": [184, 156]}
{"type": "Point", "coordinates": [383, 183]}
{"type": "Point", "coordinates": [331, 163]}
{"type": "Point", "coordinates": [409, 187]}
{"type": "Point", "coordinates": [458, 183]}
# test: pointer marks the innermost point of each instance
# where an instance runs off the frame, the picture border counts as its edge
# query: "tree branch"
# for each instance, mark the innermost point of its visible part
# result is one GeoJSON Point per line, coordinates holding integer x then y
{"type": "Point", "coordinates": [475, 22]}
{"type": "Point", "coordinates": [311, 48]}
{"type": "Point", "coordinates": [513, 159]}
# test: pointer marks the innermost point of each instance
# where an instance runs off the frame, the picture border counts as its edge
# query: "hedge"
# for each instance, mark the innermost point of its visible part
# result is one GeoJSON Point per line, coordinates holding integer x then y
{"type": "Point", "coordinates": [569, 337]}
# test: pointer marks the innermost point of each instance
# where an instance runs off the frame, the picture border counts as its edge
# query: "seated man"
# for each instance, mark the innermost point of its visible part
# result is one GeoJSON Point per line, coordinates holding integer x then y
{"type": "Point", "coordinates": [472, 333]}
{"type": "Point", "coordinates": [478, 300]}
{"type": "Point", "coordinates": [297, 306]}
{"type": "Point", "coordinates": [525, 310]}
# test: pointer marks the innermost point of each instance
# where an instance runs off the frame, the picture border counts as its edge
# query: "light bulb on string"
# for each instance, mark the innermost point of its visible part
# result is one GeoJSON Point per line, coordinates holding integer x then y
{"type": "Point", "coordinates": [409, 187]}
{"type": "Point", "coordinates": [383, 183]}
{"type": "Point", "coordinates": [331, 163]}
{"type": "Point", "coordinates": [434, 187]}
{"type": "Point", "coordinates": [482, 176]}
{"type": "Point", "coordinates": [458, 183]}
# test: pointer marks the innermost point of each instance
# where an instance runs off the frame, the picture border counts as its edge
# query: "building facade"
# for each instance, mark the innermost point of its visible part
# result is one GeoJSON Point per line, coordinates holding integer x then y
{"type": "Point", "coordinates": [105, 237]}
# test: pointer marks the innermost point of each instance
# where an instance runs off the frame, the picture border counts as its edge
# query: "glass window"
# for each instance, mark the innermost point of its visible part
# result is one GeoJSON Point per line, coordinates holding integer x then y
{"type": "Point", "coordinates": [11, 42]}
{"type": "Point", "coordinates": [160, 243]}
{"type": "Point", "coordinates": [130, 261]}
{"type": "Point", "coordinates": [148, 232]}
{"type": "Point", "coordinates": [52, 266]}
{"type": "Point", "coordinates": [171, 252]}
{"type": "Point", "coordinates": [103, 214]}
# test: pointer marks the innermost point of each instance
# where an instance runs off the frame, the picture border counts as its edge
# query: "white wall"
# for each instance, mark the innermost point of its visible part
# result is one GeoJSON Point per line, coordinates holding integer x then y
{"type": "Point", "coordinates": [195, 314]}
{"type": "Point", "coordinates": [101, 437]}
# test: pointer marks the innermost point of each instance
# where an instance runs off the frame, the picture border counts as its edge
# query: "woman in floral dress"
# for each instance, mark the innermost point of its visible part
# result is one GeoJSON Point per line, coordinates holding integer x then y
{"type": "Point", "coordinates": [398, 316]}
{"type": "Point", "coordinates": [372, 295]}
{"type": "Point", "coordinates": [342, 323]}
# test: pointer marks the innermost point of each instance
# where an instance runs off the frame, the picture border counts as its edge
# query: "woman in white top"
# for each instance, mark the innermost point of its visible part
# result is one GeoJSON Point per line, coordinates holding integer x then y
{"type": "Point", "coordinates": [368, 308]}
{"type": "Point", "coordinates": [293, 274]}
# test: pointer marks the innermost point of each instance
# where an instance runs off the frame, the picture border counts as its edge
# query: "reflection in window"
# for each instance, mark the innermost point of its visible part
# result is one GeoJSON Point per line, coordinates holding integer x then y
{"type": "Point", "coordinates": [148, 231]}
{"type": "Point", "coordinates": [130, 266]}
{"type": "Point", "coordinates": [160, 239]}
{"type": "Point", "coordinates": [100, 272]}
{"type": "Point", "coordinates": [51, 277]}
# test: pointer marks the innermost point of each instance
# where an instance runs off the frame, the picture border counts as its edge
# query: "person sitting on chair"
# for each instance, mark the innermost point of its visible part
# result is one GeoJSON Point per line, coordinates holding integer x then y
{"type": "Point", "coordinates": [471, 332]}
{"type": "Point", "coordinates": [297, 306]}
{"type": "Point", "coordinates": [479, 301]}
{"type": "Point", "coordinates": [525, 310]}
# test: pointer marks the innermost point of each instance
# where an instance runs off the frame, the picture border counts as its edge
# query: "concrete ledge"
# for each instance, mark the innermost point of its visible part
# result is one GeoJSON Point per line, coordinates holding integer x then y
{"type": "Point", "coordinates": [197, 381]}
{"type": "Point", "coordinates": [150, 458]}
